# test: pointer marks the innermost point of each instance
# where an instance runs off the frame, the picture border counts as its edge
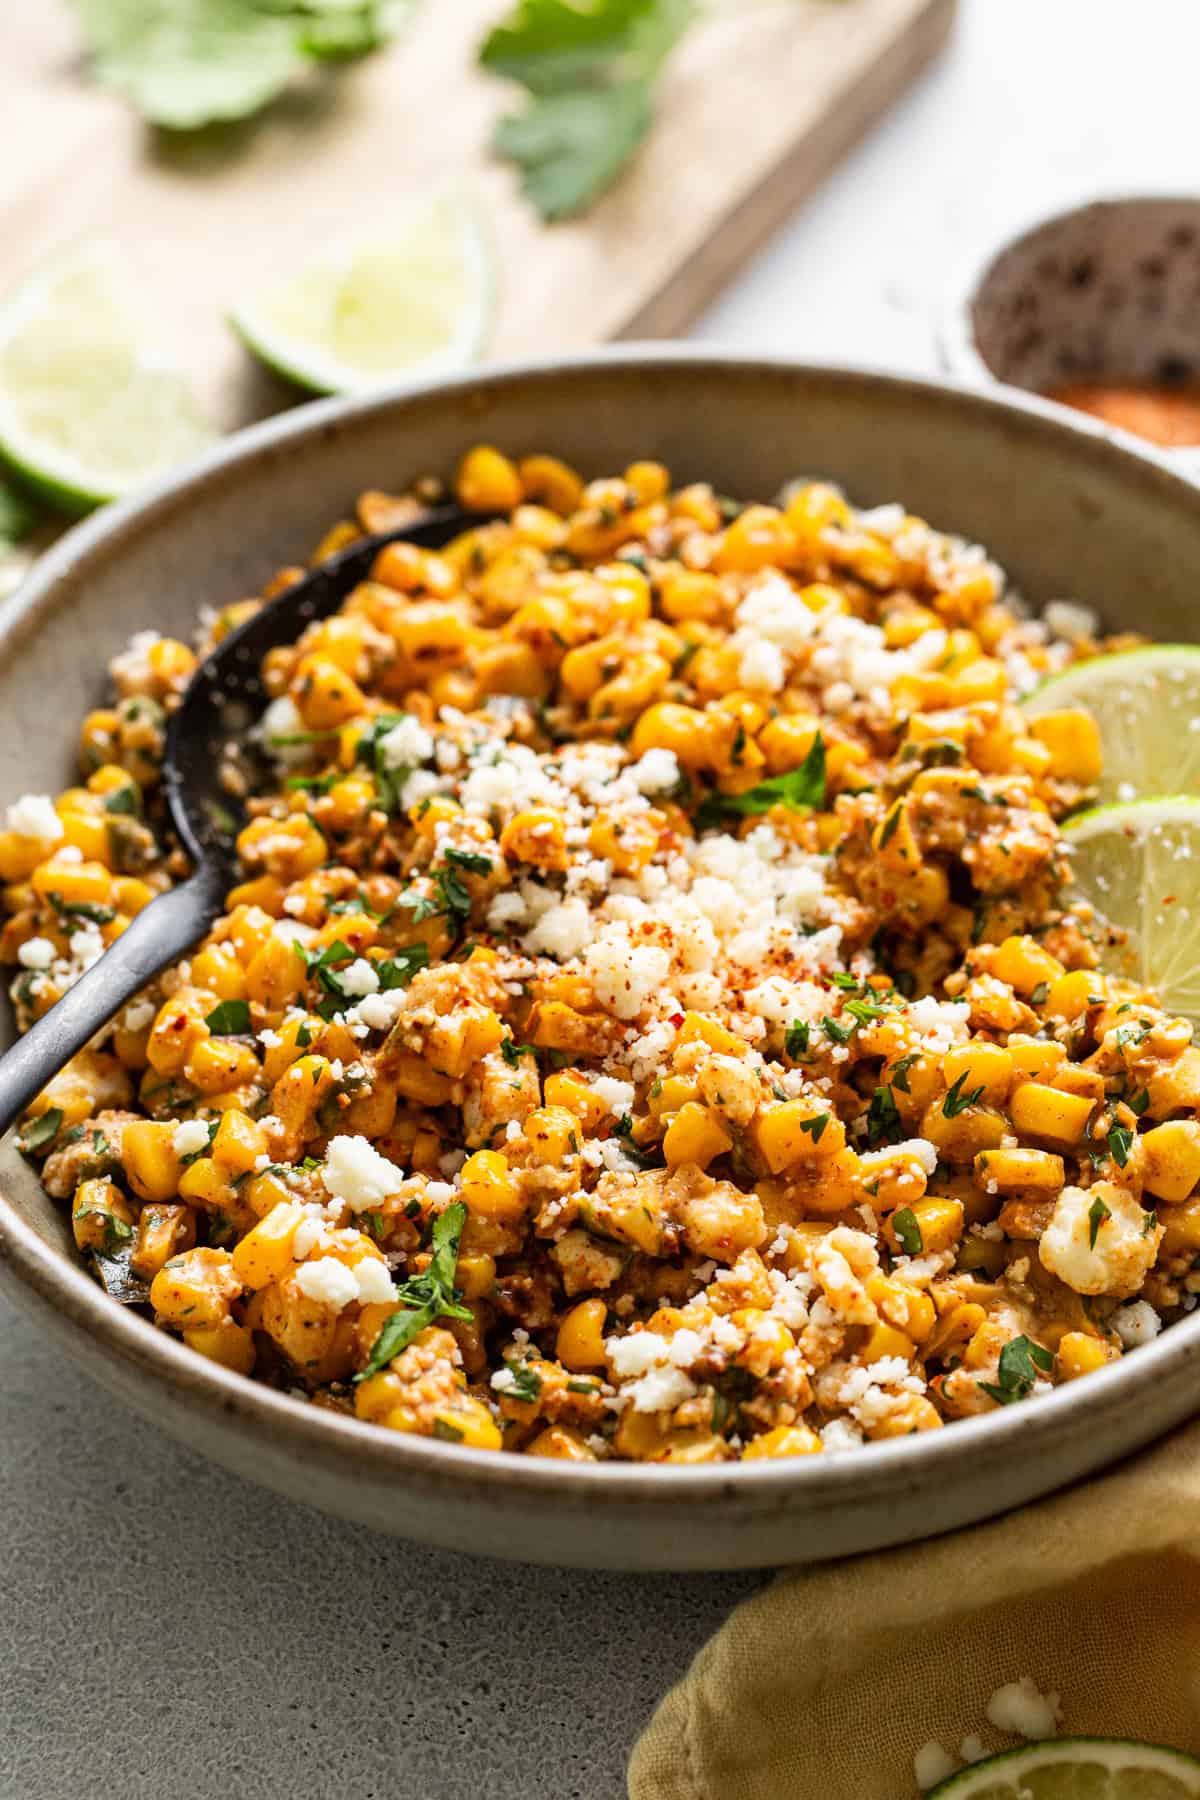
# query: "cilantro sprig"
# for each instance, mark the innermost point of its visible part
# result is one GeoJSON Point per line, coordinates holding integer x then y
{"type": "Point", "coordinates": [589, 74]}
{"type": "Point", "coordinates": [188, 63]}
{"type": "Point", "coordinates": [425, 1297]}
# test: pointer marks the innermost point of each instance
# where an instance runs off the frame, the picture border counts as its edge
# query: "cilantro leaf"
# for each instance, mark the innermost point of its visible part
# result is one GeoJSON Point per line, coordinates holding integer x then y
{"type": "Point", "coordinates": [551, 46]}
{"type": "Point", "coordinates": [230, 1018]}
{"type": "Point", "coordinates": [589, 71]}
{"type": "Point", "coordinates": [1021, 1362]}
{"type": "Point", "coordinates": [399, 970]}
{"type": "Point", "coordinates": [425, 1297]}
{"type": "Point", "coordinates": [187, 63]}
{"type": "Point", "coordinates": [469, 859]}
{"type": "Point", "coordinates": [800, 790]}
{"type": "Point", "coordinates": [796, 1040]}
{"type": "Point", "coordinates": [570, 147]}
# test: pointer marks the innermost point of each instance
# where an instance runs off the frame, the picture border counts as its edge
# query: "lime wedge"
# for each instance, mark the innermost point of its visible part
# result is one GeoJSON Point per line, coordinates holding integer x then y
{"type": "Point", "coordinates": [90, 406]}
{"type": "Point", "coordinates": [1078, 1769]}
{"type": "Point", "coordinates": [413, 302]}
{"type": "Point", "coordinates": [1147, 705]}
{"type": "Point", "coordinates": [1139, 865]}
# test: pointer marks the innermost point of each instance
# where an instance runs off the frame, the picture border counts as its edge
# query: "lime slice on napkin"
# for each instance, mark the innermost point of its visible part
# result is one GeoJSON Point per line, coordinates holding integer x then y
{"type": "Point", "coordinates": [412, 302]}
{"type": "Point", "coordinates": [1078, 1769]}
{"type": "Point", "coordinates": [1147, 705]}
{"type": "Point", "coordinates": [1139, 864]}
{"type": "Point", "coordinates": [91, 407]}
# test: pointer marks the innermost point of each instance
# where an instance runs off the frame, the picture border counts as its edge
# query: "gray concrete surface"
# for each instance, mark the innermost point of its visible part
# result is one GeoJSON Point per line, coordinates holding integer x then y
{"type": "Point", "coordinates": [166, 1629]}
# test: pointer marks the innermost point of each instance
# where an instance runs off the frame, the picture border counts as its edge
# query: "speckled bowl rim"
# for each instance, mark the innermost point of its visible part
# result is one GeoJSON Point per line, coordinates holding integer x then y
{"type": "Point", "coordinates": [324, 1438]}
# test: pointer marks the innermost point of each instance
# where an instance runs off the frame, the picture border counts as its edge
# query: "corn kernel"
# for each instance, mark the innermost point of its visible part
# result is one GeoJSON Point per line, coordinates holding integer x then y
{"type": "Point", "coordinates": [1047, 1112]}
{"type": "Point", "coordinates": [580, 1341]}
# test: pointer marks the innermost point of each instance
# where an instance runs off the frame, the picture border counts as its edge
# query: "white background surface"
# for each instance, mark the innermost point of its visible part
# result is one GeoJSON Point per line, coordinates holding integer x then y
{"type": "Point", "coordinates": [166, 1629]}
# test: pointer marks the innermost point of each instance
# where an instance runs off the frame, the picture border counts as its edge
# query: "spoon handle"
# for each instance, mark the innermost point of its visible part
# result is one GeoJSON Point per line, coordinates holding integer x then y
{"type": "Point", "coordinates": [159, 934]}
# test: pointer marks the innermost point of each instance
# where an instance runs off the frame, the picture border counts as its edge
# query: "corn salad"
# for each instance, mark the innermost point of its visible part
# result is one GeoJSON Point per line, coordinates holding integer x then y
{"type": "Point", "coordinates": [650, 1024]}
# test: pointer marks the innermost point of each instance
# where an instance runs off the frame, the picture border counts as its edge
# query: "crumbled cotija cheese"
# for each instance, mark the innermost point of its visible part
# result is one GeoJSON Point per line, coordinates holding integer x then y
{"type": "Point", "coordinates": [355, 1172]}
{"type": "Point", "coordinates": [33, 816]}
{"type": "Point", "coordinates": [1020, 1707]}
{"type": "Point", "coordinates": [406, 744]}
{"type": "Point", "coordinates": [191, 1137]}
{"type": "Point", "coordinates": [932, 1764]}
{"type": "Point", "coordinates": [328, 1281]}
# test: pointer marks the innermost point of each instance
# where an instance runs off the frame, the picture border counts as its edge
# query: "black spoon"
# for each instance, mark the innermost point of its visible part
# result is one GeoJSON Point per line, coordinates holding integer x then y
{"type": "Point", "coordinates": [224, 697]}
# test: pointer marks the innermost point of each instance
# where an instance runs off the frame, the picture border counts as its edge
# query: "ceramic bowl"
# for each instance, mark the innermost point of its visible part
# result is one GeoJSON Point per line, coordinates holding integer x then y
{"type": "Point", "coordinates": [1067, 508]}
{"type": "Point", "coordinates": [1106, 291]}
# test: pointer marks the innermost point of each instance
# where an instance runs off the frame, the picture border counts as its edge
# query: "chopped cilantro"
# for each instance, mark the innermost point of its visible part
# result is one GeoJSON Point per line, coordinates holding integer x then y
{"type": "Point", "coordinates": [1120, 1142]}
{"type": "Point", "coordinates": [1097, 1213]}
{"type": "Point", "coordinates": [398, 971]}
{"type": "Point", "coordinates": [957, 1101]}
{"type": "Point", "coordinates": [883, 1118]}
{"type": "Point", "coordinates": [389, 782]}
{"type": "Point", "coordinates": [864, 1012]}
{"type": "Point", "coordinates": [796, 1041]}
{"type": "Point", "coordinates": [1021, 1361]}
{"type": "Point", "coordinates": [43, 1131]}
{"type": "Point", "coordinates": [891, 825]}
{"type": "Point", "coordinates": [470, 859]}
{"type": "Point", "coordinates": [124, 799]}
{"type": "Point", "coordinates": [526, 1383]}
{"type": "Point", "coordinates": [900, 1072]}
{"type": "Point", "coordinates": [800, 790]}
{"type": "Point", "coordinates": [838, 1034]}
{"type": "Point", "coordinates": [229, 1018]}
{"type": "Point", "coordinates": [313, 784]}
{"type": "Point", "coordinates": [815, 1126]}
{"type": "Point", "coordinates": [907, 1228]}
{"type": "Point", "coordinates": [82, 909]}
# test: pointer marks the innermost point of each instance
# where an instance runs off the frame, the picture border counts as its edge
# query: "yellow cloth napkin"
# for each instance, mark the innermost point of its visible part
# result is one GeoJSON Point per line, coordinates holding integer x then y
{"type": "Point", "coordinates": [823, 1686]}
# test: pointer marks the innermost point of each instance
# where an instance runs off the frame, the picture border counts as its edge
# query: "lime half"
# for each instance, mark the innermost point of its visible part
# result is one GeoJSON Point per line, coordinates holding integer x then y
{"type": "Point", "coordinates": [91, 407]}
{"type": "Point", "coordinates": [414, 301]}
{"type": "Point", "coordinates": [1147, 705]}
{"type": "Point", "coordinates": [1139, 865]}
{"type": "Point", "coordinates": [1078, 1769]}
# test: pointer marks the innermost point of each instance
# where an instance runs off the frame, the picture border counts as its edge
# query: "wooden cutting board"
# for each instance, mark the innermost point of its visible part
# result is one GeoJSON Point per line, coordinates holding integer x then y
{"type": "Point", "coordinates": [755, 110]}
